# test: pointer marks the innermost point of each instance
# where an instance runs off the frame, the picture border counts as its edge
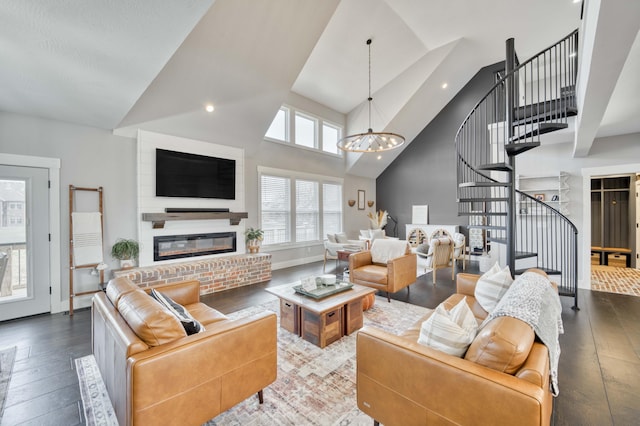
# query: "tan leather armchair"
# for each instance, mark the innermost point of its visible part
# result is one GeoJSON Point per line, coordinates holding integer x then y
{"type": "Point", "coordinates": [184, 380]}
{"type": "Point", "coordinates": [392, 276]}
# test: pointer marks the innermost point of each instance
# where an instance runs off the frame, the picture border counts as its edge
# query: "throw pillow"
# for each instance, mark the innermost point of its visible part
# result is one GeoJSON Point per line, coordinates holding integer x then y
{"type": "Point", "coordinates": [331, 238]}
{"type": "Point", "coordinates": [190, 324]}
{"type": "Point", "coordinates": [342, 238]}
{"type": "Point", "coordinates": [423, 248]}
{"type": "Point", "coordinates": [491, 286]}
{"type": "Point", "coordinates": [450, 331]}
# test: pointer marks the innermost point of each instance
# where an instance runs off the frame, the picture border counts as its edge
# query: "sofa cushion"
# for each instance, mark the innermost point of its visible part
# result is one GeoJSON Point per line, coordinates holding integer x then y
{"type": "Point", "coordinates": [503, 344]}
{"type": "Point", "coordinates": [342, 238]}
{"type": "Point", "coordinates": [449, 331]}
{"type": "Point", "coordinates": [331, 238]}
{"type": "Point", "coordinates": [423, 248]}
{"type": "Point", "coordinates": [190, 324]}
{"type": "Point", "coordinates": [384, 250]}
{"type": "Point", "coordinates": [118, 287]}
{"type": "Point", "coordinates": [371, 273]}
{"type": "Point", "coordinates": [148, 319]}
{"type": "Point", "coordinates": [491, 286]}
{"type": "Point", "coordinates": [377, 233]}
{"type": "Point", "coordinates": [205, 314]}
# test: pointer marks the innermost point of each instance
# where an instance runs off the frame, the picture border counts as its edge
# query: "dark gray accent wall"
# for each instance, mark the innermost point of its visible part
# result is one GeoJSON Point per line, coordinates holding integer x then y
{"type": "Point", "coordinates": [425, 172]}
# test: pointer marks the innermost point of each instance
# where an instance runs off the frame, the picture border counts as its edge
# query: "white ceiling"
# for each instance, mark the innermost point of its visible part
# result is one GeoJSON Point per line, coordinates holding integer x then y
{"type": "Point", "coordinates": [153, 64]}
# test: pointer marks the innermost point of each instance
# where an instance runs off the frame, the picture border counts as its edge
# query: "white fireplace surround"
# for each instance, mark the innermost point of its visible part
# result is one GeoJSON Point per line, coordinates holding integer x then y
{"type": "Point", "coordinates": [149, 203]}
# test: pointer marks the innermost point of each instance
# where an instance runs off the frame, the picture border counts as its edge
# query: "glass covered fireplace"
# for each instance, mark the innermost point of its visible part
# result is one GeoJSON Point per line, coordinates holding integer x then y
{"type": "Point", "coordinates": [179, 246]}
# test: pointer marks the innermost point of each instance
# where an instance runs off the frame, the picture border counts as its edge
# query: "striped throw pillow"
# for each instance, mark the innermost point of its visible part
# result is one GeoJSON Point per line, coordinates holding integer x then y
{"type": "Point", "coordinates": [491, 286]}
{"type": "Point", "coordinates": [190, 324]}
{"type": "Point", "coordinates": [450, 331]}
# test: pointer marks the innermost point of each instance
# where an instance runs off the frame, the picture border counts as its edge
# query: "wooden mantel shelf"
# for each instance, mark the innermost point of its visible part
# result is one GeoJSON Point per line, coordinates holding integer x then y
{"type": "Point", "coordinates": [158, 219]}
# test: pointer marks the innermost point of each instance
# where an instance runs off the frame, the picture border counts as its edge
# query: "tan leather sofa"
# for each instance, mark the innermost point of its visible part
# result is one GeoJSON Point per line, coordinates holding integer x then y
{"type": "Point", "coordinates": [157, 375]}
{"type": "Point", "coordinates": [503, 379]}
{"type": "Point", "coordinates": [391, 277]}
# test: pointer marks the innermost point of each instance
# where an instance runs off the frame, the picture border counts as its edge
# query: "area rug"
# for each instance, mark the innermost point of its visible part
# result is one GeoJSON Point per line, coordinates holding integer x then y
{"type": "Point", "coordinates": [7, 358]}
{"type": "Point", "coordinates": [615, 280]}
{"type": "Point", "coordinates": [314, 386]}
{"type": "Point", "coordinates": [98, 410]}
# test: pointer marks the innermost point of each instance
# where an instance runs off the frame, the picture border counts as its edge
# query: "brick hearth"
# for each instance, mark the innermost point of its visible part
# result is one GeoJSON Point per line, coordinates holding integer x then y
{"type": "Point", "coordinates": [215, 274]}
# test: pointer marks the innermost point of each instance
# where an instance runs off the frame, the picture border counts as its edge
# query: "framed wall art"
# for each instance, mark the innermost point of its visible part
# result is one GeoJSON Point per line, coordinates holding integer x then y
{"type": "Point", "coordinates": [361, 199]}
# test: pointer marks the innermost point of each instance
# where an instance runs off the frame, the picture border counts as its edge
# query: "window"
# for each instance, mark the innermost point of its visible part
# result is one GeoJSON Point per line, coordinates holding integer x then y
{"type": "Point", "coordinates": [330, 136]}
{"type": "Point", "coordinates": [332, 208]}
{"type": "Point", "coordinates": [276, 209]}
{"type": "Point", "coordinates": [305, 131]}
{"type": "Point", "coordinates": [309, 204]}
{"type": "Point", "coordinates": [279, 128]}
{"type": "Point", "coordinates": [307, 211]}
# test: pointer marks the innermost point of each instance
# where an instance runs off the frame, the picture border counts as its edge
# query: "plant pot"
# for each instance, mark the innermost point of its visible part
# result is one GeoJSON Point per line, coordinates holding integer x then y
{"type": "Point", "coordinates": [253, 246]}
{"type": "Point", "coordinates": [127, 263]}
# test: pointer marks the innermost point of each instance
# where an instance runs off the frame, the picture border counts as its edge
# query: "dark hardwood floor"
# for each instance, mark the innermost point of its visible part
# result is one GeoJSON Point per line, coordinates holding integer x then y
{"type": "Point", "coordinates": [599, 373]}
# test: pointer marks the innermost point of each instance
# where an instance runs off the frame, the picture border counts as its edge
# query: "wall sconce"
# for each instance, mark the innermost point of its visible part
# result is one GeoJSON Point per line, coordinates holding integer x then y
{"type": "Point", "coordinates": [370, 203]}
{"type": "Point", "coordinates": [352, 203]}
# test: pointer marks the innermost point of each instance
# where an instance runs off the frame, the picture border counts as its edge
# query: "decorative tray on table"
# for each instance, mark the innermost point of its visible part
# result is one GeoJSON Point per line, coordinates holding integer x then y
{"type": "Point", "coordinates": [322, 291]}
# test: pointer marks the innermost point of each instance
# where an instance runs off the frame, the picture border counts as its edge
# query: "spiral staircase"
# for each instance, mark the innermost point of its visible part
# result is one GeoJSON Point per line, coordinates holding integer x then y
{"type": "Point", "coordinates": [528, 100]}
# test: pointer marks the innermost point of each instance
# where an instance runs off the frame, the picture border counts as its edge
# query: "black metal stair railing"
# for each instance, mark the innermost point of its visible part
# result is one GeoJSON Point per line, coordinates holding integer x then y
{"type": "Point", "coordinates": [543, 93]}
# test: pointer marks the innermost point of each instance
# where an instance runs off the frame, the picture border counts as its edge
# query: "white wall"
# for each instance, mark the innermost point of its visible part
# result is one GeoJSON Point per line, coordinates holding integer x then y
{"type": "Point", "coordinates": [618, 154]}
{"type": "Point", "coordinates": [89, 157]}
{"type": "Point", "coordinates": [149, 203]}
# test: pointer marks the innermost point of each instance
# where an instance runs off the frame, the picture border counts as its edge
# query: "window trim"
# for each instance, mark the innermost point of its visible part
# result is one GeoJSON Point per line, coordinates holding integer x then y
{"type": "Point", "coordinates": [293, 176]}
{"type": "Point", "coordinates": [317, 123]}
{"type": "Point", "coordinates": [340, 130]}
{"type": "Point", "coordinates": [287, 126]}
{"type": "Point", "coordinates": [291, 131]}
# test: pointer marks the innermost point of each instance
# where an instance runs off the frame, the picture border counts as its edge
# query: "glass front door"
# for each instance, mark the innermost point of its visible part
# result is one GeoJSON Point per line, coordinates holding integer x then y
{"type": "Point", "coordinates": [24, 242]}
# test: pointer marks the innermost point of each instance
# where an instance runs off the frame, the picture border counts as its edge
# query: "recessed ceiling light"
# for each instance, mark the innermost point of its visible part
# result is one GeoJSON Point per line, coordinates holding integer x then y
{"type": "Point", "coordinates": [209, 108]}
{"type": "Point", "coordinates": [577, 1]}
{"type": "Point", "coordinates": [444, 85]}
{"type": "Point", "coordinates": [379, 157]}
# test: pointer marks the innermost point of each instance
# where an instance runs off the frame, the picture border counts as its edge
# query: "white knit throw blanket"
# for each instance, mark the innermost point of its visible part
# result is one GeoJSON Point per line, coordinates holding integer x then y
{"type": "Point", "coordinates": [532, 299]}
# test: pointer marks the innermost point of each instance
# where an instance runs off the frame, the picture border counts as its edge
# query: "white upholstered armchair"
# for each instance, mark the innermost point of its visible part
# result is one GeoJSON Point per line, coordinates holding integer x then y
{"type": "Point", "coordinates": [336, 242]}
{"type": "Point", "coordinates": [459, 249]}
{"type": "Point", "coordinates": [438, 256]}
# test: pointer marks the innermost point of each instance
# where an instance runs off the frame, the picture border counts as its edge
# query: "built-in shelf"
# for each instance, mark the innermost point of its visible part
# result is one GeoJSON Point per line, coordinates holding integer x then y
{"type": "Point", "coordinates": [158, 219]}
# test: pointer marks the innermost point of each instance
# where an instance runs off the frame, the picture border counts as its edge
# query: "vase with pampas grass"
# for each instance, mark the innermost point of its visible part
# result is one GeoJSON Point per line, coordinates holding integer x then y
{"type": "Point", "coordinates": [378, 220]}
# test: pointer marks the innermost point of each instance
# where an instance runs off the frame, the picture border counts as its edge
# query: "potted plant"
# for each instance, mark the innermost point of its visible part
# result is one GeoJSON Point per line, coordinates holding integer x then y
{"type": "Point", "coordinates": [126, 251]}
{"type": "Point", "coordinates": [253, 237]}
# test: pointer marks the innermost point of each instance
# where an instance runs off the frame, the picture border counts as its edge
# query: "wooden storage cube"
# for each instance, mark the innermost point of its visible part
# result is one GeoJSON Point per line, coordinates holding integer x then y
{"type": "Point", "coordinates": [617, 259]}
{"type": "Point", "coordinates": [323, 329]}
{"type": "Point", "coordinates": [595, 258]}
{"type": "Point", "coordinates": [353, 319]}
{"type": "Point", "coordinates": [290, 317]}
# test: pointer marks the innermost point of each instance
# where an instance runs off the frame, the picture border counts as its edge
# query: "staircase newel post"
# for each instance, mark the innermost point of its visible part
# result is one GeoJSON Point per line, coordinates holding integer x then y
{"type": "Point", "coordinates": [511, 189]}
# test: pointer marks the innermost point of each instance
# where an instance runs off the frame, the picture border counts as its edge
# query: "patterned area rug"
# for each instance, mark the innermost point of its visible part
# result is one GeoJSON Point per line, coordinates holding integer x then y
{"type": "Point", "coordinates": [615, 280]}
{"type": "Point", "coordinates": [314, 386]}
{"type": "Point", "coordinates": [98, 410]}
{"type": "Point", "coordinates": [7, 357]}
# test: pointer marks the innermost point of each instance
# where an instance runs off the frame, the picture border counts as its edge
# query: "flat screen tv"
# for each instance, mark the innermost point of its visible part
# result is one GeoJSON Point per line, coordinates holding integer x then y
{"type": "Point", "coordinates": [179, 174]}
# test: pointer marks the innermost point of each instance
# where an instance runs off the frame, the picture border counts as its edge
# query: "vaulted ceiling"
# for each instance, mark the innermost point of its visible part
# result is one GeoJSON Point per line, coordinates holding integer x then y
{"type": "Point", "coordinates": [154, 64]}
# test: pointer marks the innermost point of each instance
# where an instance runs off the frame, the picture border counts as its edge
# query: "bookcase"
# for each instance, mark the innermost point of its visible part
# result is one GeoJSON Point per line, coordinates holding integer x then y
{"type": "Point", "coordinates": [552, 189]}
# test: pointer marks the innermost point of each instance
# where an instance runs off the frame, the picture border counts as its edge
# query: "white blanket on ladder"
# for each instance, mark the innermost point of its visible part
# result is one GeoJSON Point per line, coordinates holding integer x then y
{"type": "Point", "coordinates": [87, 238]}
